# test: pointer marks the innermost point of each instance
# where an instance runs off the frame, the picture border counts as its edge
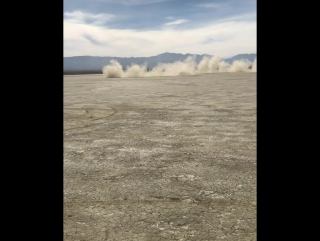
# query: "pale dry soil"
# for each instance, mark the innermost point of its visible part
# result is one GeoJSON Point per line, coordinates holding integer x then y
{"type": "Point", "coordinates": [162, 158]}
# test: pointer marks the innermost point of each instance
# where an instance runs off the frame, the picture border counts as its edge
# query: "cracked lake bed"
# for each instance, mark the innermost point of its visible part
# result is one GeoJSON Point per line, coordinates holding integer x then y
{"type": "Point", "coordinates": [161, 158]}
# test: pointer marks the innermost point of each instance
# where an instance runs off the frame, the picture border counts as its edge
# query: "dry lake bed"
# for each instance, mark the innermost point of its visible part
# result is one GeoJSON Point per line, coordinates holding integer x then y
{"type": "Point", "coordinates": [162, 158]}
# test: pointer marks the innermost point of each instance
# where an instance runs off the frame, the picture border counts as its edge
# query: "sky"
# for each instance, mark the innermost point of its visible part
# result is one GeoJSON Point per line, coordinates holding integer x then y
{"type": "Point", "coordinates": [144, 28]}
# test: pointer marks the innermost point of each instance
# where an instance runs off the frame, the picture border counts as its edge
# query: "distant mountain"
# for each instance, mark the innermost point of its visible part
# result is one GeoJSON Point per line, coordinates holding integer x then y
{"type": "Point", "coordinates": [249, 57]}
{"type": "Point", "coordinates": [92, 63]}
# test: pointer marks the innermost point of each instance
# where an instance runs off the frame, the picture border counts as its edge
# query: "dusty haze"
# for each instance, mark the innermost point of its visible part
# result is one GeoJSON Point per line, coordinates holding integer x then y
{"type": "Point", "coordinates": [187, 67]}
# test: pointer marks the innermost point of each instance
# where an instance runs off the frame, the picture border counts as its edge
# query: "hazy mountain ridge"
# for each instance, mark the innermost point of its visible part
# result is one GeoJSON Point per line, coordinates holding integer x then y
{"type": "Point", "coordinates": [87, 63]}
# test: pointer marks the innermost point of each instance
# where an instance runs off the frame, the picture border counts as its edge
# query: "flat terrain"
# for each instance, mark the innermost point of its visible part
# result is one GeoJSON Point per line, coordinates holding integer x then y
{"type": "Point", "coordinates": [163, 158]}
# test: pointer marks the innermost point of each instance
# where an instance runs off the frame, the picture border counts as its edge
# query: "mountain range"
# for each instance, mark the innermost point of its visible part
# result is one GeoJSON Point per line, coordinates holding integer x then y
{"type": "Point", "coordinates": [94, 63]}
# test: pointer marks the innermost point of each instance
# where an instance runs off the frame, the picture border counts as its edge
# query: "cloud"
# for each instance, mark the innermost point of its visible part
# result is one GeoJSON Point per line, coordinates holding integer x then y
{"type": "Point", "coordinates": [133, 2]}
{"type": "Point", "coordinates": [92, 40]}
{"type": "Point", "coordinates": [176, 22]}
{"type": "Point", "coordinates": [79, 17]}
{"type": "Point", "coordinates": [84, 38]}
{"type": "Point", "coordinates": [209, 40]}
{"type": "Point", "coordinates": [252, 17]}
{"type": "Point", "coordinates": [211, 5]}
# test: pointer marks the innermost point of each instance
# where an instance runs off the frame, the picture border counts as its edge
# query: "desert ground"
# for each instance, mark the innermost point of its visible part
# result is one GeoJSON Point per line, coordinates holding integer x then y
{"type": "Point", "coordinates": [161, 158]}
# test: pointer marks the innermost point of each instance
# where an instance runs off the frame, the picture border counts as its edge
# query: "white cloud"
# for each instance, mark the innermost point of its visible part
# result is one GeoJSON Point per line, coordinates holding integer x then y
{"type": "Point", "coordinates": [214, 5]}
{"type": "Point", "coordinates": [82, 17]}
{"type": "Point", "coordinates": [176, 22]}
{"type": "Point", "coordinates": [211, 5]}
{"type": "Point", "coordinates": [133, 2]}
{"type": "Point", "coordinates": [240, 17]}
{"type": "Point", "coordinates": [239, 36]}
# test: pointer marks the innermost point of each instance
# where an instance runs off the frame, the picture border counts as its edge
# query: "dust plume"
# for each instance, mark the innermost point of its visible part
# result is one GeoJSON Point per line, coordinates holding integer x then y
{"type": "Point", "coordinates": [113, 70]}
{"type": "Point", "coordinates": [254, 66]}
{"type": "Point", "coordinates": [187, 67]}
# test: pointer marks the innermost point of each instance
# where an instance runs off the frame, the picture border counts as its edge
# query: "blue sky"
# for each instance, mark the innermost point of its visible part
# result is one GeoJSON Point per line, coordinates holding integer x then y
{"type": "Point", "coordinates": [143, 28]}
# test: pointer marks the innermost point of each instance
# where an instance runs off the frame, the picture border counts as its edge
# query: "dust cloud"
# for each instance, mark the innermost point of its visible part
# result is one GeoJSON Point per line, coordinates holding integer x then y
{"type": "Point", "coordinates": [186, 67]}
